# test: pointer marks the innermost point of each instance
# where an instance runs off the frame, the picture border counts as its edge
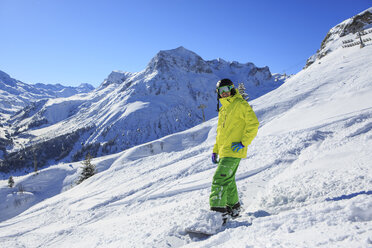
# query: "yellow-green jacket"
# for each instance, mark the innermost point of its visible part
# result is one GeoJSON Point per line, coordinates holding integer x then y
{"type": "Point", "coordinates": [236, 123]}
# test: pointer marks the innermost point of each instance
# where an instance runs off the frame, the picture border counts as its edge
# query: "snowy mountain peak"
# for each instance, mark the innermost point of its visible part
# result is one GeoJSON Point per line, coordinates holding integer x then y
{"type": "Point", "coordinates": [179, 58]}
{"type": "Point", "coordinates": [182, 60]}
{"type": "Point", "coordinates": [345, 35]}
{"type": "Point", "coordinates": [116, 77]}
{"type": "Point", "coordinates": [179, 53]}
{"type": "Point", "coordinates": [5, 79]}
{"type": "Point", "coordinates": [86, 86]}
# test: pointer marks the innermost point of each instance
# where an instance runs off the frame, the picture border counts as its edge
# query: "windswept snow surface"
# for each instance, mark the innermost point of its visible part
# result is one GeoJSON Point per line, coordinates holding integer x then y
{"type": "Point", "coordinates": [309, 168]}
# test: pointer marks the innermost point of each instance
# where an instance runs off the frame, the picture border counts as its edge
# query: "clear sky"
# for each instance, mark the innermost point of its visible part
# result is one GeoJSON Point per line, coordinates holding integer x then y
{"type": "Point", "coordinates": [75, 41]}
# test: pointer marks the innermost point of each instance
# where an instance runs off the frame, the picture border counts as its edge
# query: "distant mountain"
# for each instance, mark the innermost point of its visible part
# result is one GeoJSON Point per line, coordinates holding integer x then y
{"type": "Point", "coordinates": [15, 95]}
{"type": "Point", "coordinates": [344, 33]}
{"type": "Point", "coordinates": [59, 90]}
{"type": "Point", "coordinates": [128, 109]}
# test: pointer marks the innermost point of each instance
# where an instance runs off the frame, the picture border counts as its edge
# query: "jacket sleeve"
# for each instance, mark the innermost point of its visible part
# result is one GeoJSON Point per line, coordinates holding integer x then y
{"type": "Point", "coordinates": [251, 125]}
{"type": "Point", "coordinates": [215, 147]}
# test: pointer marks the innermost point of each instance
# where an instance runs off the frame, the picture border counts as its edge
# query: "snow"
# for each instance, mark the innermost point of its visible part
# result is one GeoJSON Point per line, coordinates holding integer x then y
{"type": "Point", "coordinates": [307, 180]}
{"type": "Point", "coordinates": [207, 222]}
{"type": "Point", "coordinates": [134, 106]}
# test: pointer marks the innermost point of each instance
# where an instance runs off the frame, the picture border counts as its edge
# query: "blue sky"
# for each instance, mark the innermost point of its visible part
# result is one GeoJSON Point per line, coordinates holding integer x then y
{"type": "Point", "coordinates": [74, 41]}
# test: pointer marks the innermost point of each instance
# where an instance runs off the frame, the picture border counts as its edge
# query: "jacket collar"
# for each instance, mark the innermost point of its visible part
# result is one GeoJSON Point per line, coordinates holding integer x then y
{"type": "Point", "coordinates": [227, 100]}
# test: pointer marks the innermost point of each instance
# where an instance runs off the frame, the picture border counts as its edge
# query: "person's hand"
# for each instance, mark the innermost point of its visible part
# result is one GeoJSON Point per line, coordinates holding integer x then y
{"type": "Point", "coordinates": [236, 146]}
{"type": "Point", "coordinates": [214, 158]}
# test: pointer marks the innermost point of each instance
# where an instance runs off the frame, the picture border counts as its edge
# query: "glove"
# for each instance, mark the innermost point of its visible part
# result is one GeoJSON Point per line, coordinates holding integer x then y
{"type": "Point", "coordinates": [214, 158]}
{"type": "Point", "coordinates": [236, 146]}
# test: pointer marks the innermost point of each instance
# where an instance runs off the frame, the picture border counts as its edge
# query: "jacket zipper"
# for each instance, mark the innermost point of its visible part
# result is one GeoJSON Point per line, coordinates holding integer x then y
{"type": "Point", "coordinates": [224, 121]}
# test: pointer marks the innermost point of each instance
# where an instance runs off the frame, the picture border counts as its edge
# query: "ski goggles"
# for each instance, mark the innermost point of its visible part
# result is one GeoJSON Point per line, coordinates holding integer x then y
{"type": "Point", "coordinates": [223, 89]}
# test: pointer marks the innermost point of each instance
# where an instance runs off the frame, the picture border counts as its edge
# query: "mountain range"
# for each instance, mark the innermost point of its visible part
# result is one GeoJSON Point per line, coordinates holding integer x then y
{"type": "Point", "coordinates": [16, 95]}
{"type": "Point", "coordinates": [127, 109]}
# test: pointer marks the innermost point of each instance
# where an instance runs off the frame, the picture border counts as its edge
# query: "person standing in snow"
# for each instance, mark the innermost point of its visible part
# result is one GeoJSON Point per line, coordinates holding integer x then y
{"type": "Point", "coordinates": [237, 127]}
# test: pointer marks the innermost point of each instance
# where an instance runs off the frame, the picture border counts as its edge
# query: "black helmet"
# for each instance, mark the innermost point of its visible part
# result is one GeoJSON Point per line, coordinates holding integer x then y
{"type": "Point", "coordinates": [224, 82]}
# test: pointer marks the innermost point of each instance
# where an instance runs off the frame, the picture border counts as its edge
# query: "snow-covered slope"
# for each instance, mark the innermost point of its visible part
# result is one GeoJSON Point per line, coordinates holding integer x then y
{"type": "Point", "coordinates": [128, 108]}
{"type": "Point", "coordinates": [307, 177]}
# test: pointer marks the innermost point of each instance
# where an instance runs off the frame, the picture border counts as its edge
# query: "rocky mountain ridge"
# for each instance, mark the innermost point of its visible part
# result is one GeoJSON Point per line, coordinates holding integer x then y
{"type": "Point", "coordinates": [347, 30]}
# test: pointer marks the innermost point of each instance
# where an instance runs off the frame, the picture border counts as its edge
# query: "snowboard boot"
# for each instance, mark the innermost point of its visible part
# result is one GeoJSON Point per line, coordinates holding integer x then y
{"type": "Point", "coordinates": [224, 213]}
{"type": "Point", "coordinates": [234, 211]}
{"type": "Point", "coordinates": [225, 218]}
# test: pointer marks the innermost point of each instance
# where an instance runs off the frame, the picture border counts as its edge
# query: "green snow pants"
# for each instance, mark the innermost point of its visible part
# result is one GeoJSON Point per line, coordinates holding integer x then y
{"type": "Point", "coordinates": [224, 192]}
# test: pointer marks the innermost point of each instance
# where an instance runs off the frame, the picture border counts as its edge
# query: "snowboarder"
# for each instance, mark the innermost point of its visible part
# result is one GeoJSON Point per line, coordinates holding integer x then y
{"type": "Point", "coordinates": [237, 127]}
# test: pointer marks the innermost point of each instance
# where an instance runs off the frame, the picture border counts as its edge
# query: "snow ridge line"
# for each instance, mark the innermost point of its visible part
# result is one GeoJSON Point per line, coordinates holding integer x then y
{"type": "Point", "coordinates": [349, 196]}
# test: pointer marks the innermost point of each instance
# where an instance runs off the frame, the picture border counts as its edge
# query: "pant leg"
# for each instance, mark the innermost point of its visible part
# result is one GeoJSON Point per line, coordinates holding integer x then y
{"type": "Point", "coordinates": [232, 191]}
{"type": "Point", "coordinates": [223, 183]}
{"type": "Point", "coordinates": [232, 194]}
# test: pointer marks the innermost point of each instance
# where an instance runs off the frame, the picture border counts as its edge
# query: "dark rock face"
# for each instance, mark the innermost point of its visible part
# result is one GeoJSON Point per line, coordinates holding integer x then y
{"type": "Point", "coordinates": [358, 23]}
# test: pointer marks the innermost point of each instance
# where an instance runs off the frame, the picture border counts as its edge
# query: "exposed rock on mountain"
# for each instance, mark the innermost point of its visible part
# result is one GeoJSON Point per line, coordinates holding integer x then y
{"type": "Point", "coordinates": [348, 30]}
